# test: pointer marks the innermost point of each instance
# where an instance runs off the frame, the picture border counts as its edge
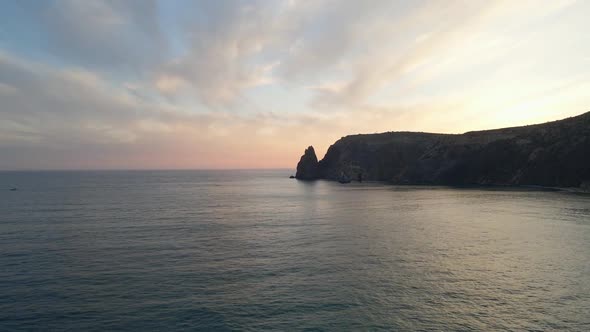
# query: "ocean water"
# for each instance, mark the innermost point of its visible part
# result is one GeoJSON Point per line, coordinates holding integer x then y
{"type": "Point", "coordinates": [254, 250]}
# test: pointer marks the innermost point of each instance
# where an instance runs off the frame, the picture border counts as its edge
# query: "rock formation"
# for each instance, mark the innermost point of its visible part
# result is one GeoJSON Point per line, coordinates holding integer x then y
{"type": "Point", "coordinates": [307, 168]}
{"type": "Point", "coordinates": [551, 154]}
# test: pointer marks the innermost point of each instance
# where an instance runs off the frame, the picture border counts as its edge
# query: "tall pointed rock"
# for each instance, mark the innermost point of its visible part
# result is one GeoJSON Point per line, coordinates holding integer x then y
{"type": "Point", "coordinates": [307, 168]}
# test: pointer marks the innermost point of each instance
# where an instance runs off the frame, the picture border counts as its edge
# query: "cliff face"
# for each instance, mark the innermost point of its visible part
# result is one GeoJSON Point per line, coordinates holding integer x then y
{"type": "Point", "coordinates": [551, 154]}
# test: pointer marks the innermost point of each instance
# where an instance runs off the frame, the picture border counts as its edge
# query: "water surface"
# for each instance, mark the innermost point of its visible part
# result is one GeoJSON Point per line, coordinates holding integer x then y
{"type": "Point", "coordinates": [254, 250]}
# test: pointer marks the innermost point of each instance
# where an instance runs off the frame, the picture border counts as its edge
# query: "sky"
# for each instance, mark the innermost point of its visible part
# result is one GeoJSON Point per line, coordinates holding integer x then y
{"type": "Point", "coordinates": [173, 84]}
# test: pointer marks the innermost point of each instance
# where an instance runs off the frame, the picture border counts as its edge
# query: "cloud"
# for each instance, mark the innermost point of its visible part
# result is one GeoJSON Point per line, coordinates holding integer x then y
{"type": "Point", "coordinates": [170, 84]}
{"type": "Point", "coordinates": [223, 43]}
{"type": "Point", "coordinates": [120, 35]}
{"type": "Point", "coordinates": [73, 118]}
{"type": "Point", "coordinates": [380, 65]}
{"type": "Point", "coordinates": [54, 106]}
{"type": "Point", "coordinates": [228, 47]}
{"type": "Point", "coordinates": [324, 33]}
{"type": "Point", "coordinates": [445, 34]}
{"type": "Point", "coordinates": [6, 89]}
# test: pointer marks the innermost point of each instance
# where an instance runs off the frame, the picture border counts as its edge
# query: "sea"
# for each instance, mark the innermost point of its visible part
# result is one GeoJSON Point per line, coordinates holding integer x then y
{"type": "Point", "coordinates": [255, 251]}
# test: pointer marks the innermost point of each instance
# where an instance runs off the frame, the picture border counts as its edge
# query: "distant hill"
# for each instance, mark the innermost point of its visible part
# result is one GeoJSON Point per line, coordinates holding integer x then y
{"type": "Point", "coordinates": [551, 154]}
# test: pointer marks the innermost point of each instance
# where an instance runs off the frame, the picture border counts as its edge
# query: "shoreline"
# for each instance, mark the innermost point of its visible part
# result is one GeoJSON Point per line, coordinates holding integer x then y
{"type": "Point", "coordinates": [576, 190]}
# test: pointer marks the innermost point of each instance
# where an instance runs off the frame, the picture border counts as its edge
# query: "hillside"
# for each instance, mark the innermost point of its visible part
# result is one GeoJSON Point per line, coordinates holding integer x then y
{"type": "Point", "coordinates": [551, 154]}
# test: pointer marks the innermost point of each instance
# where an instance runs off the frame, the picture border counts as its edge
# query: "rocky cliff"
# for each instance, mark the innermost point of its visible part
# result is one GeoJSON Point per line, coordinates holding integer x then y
{"type": "Point", "coordinates": [550, 154]}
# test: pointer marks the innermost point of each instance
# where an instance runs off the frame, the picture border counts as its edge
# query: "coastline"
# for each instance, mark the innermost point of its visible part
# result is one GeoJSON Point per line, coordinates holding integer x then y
{"type": "Point", "coordinates": [576, 190]}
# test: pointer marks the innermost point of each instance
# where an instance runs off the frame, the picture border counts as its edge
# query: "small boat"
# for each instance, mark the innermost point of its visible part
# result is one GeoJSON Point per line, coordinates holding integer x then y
{"type": "Point", "coordinates": [13, 189]}
{"type": "Point", "coordinates": [292, 177]}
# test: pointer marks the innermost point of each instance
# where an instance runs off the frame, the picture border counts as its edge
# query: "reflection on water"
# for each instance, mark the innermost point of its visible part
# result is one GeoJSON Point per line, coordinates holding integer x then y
{"type": "Point", "coordinates": [255, 250]}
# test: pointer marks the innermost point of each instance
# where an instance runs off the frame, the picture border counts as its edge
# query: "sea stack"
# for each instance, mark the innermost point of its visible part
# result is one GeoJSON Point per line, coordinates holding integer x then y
{"type": "Point", "coordinates": [307, 168]}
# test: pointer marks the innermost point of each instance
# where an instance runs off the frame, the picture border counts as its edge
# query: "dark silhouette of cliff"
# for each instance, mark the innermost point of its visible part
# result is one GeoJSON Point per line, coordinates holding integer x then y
{"type": "Point", "coordinates": [551, 154]}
